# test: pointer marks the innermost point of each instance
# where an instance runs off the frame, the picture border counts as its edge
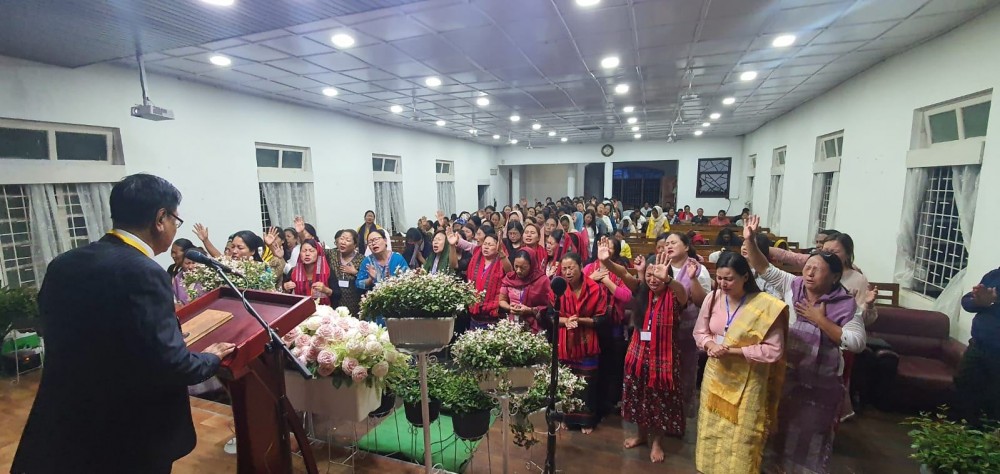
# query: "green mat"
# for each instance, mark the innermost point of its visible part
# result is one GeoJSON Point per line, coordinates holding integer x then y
{"type": "Point", "coordinates": [396, 437]}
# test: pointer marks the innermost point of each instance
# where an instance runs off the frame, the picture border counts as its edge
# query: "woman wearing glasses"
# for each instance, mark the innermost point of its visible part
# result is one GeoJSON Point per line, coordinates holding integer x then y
{"type": "Point", "coordinates": [824, 319]}
{"type": "Point", "coordinates": [381, 264]}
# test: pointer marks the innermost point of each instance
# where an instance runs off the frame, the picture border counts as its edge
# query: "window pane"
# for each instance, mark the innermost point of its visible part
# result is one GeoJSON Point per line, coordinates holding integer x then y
{"type": "Point", "coordinates": [830, 147]}
{"type": "Point", "coordinates": [376, 164]}
{"type": "Point", "coordinates": [446, 168]}
{"type": "Point", "coordinates": [24, 144]}
{"type": "Point", "coordinates": [975, 119]}
{"type": "Point", "coordinates": [437, 167]}
{"type": "Point", "coordinates": [81, 146]}
{"type": "Point", "coordinates": [291, 159]}
{"type": "Point", "coordinates": [267, 158]}
{"type": "Point", "coordinates": [840, 146]}
{"type": "Point", "coordinates": [944, 127]}
{"type": "Point", "coordinates": [390, 166]}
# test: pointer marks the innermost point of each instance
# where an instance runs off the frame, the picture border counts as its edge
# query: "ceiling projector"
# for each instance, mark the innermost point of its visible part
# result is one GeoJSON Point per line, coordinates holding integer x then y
{"type": "Point", "coordinates": [152, 112]}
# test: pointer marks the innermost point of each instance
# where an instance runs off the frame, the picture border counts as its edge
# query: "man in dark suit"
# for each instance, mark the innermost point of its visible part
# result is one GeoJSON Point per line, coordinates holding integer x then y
{"type": "Point", "coordinates": [113, 395]}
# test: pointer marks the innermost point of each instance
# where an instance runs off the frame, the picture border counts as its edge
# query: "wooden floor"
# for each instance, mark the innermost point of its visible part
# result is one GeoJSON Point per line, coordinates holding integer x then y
{"type": "Point", "coordinates": [872, 443]}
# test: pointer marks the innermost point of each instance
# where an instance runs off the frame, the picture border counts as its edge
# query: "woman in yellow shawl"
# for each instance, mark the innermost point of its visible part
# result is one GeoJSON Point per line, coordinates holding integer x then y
{"type": "Point", "coordinates": [657, 223]}
{"type": "Point", "coordinates": [743, 331]}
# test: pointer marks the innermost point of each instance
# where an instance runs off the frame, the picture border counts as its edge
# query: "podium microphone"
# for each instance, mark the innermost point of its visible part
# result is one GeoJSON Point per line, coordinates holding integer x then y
{"type": "Point", "coordinates": [558, 286]}
{"type": "Point", "coordinates": [198, 257]}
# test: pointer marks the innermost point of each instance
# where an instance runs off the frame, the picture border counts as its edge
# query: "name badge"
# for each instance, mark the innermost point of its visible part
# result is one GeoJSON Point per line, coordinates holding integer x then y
{"type": "Point", "coordinates": [719, 339]}
{"type": "Point", "coordinates": [645, 336]}
{"type": "Point", "coordinates": [343, 283]}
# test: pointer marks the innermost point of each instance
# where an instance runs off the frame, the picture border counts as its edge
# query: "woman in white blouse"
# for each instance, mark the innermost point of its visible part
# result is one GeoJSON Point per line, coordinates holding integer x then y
{"type": "Point", "coordinates": [824, 319]}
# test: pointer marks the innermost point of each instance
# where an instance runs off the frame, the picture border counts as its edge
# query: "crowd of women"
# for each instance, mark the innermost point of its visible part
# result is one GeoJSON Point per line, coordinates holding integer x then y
{"type": "Point", "coordinates": [773, 388]}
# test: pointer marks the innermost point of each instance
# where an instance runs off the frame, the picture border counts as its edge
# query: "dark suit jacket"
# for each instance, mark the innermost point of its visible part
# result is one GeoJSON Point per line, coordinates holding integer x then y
{"type": "Point", "coordinates": [113, 395]}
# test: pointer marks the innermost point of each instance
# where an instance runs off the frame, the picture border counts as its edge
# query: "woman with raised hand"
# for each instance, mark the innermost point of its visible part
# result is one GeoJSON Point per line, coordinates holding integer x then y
{"type": "Point", "coordinates": [246, 244]}
{"type": "Point", "coordinates": [652, 397]}
{"type": "Point", "coordinates": [311, 273]}
{"type": "Point", "coordinates": [486, 270]}
{"type": "Point", "coordinates": [382, 263]}
{"type": "Point", "coordinates": [824, 319]}
{"type": "Point", "coordinates": [612, 334]}
{"type": "Point", "coordinates": [743, 331]}
{"type": "Point", "coordinates": [525, 292]}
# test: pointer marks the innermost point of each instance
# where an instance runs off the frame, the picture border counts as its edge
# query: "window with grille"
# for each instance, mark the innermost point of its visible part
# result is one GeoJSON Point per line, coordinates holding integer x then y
{"type": "Point", "coordinates": [265, 215]}
{"type": "Point", "coordinates": [70, 210]}
{"type": "Point", "coordinates": [713, 177]}
{"type": "Point", "coordinates": [940, 245]}
{"type": "Point", "coordinates": [824, 202]}
{"type": "Point", "coordinates": [272, 156]}
{"type": "Point", "coordinates": [15, 240]}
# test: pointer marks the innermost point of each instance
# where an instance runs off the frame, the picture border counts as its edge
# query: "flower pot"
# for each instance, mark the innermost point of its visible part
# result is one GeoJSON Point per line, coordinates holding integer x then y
{"type": "Point", "coordinates": [471, 426]}
{"type": "Point", "coordinates": [388, 403]}
{"type": "Point", "coordinates": [414, 416]}
{"type": "Point", "coordinates": [520, 378]}
{"type": "Point", "coordinates": [320, 397]}
{"type": "Point", "coordinates": [420, 334]}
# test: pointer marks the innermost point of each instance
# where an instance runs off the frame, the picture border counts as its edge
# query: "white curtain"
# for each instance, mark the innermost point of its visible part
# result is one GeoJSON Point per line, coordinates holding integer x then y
{"type": "Point", "coordinates": [831, 210]}
{"type": "Point", "coordinates": [287, 200]}
{"type": "Point", "coordinates": [965, 182]}
{"type": "Point", "coordinates": [917, 180]}
{"type": "Point", "coordinates": [815, 205]}
{"type": "Point", "coordinates": [446, 197]}
{"type": "Point", "coordinates": [50, 230]}
{"type": "Point", "coordinates": [774, 209]}
{"type": "Point", "coordinates": [389, 205]}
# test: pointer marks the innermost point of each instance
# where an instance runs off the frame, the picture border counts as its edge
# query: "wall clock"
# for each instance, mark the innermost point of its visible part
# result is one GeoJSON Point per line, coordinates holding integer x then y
{"type": "Point", "coordinates": [607, 150]}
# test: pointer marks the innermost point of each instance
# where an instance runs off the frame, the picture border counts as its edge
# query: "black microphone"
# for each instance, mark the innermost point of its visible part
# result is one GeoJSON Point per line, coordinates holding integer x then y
{"type": "Point", "coordinates": [558, 286]}
{"type": "Point", "coordinates": [198, 257]}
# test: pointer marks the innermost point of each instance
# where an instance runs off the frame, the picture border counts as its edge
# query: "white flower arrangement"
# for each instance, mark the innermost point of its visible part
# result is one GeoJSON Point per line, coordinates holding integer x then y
{"type": "Point", "coordinates": [256, 276]}
{"type": "Point", "coordinates": [418, 294]}
{"type": "Point", "coordinates": [332, 343]}
{"type": "Point", "coordinates": [506, 344]}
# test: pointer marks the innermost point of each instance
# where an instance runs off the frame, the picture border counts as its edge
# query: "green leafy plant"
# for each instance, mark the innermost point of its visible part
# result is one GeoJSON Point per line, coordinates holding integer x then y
{"type": "Point", "coordinates": [418, 294]}
{"type": "Point", "coordinates": [506, 344]}
{"type": "Point", "coordinates": [460, 394]}
{"type": "Point", "coordinates": [405, 383]}
{"type": "Point", "coordinates": [947, 446]}
{"type": "Point", "coordinates": [568, 389]}
{"type": "Point", "coordinates": [17, 303]}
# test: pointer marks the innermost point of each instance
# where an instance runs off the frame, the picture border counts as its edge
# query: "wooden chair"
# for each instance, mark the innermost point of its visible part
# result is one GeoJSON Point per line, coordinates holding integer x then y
{"type": "Point", "coordinates": [887, 294]}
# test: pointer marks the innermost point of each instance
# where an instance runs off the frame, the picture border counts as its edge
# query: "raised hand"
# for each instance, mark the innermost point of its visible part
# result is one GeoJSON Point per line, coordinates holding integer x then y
{"type": "Point", "coordinates": [300, 224]}
{"type": "Point", "coordinates": [603, 253]}
{"type": "Point", "coordinates": [271, 236]}
{"type": "Point", "coordinates": [870, 295]}
{"type": "Point", "coordinates": [661, 267]}
{"type": "Point", "coordinates": [812, 313]}
{"type": "Point", "coordinates": [692, 269]}
{"type": "Point", "coordinates": [640, 265]}
{"type": "Point", "coordinates": [750, 227]}
{"type": "Point", "coordinates": [201, 231]}
{"type": "Point", "coordinates": [984, 296]}
{"type": "Point", "coordinates": [452, 236]}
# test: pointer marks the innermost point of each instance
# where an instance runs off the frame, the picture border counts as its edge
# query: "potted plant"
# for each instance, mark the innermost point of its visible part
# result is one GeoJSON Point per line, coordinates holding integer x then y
{"type": "Point", "coordinates": [406, 386]}
{"type": "Point", "coordinates": [945, 447]}
{"type": "Point", "coordinates": [419, 308]}
{"type": "Point", "coordinates": [468, 406]}
{"type": "Point", "coordinates": [506, 351]}
{"type": "Point", "coordinates": [529, 407]}
{"type": "Point", "coordinates": [18, 310]}
{"type": "Point", "coordinates": [350, 358]}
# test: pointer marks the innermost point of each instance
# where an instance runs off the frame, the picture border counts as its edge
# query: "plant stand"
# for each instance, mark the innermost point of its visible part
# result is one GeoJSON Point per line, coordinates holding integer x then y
{"type": "Point", "coordinates": [496, 391]}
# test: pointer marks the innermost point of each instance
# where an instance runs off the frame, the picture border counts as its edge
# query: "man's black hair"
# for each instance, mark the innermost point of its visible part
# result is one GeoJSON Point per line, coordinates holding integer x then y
{"type": "Point", "coordinates": [136, 199]}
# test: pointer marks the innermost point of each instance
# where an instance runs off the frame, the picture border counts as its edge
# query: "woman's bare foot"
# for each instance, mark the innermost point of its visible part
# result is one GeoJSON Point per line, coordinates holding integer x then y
{"type": "Point", "coordinates": [655, 451]}
{"type": "Point", "coordinates": [634, 441]}
{"type": "Point", "coordinates": [586, 430]}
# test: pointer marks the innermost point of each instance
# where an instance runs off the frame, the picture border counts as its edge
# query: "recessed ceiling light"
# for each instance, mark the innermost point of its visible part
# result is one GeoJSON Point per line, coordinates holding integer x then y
{"type": "Point", "coordinates": [632, 120]}
{"type": "Point", "coordinates": [536, 126]}
{"type": "Point", "coordinates": [552, 133]}
{"type": "Point", "coordinates": [221, 3]}
{"type": "Point", "coordinates": [432, 81]}
{"type": "Point", "coordinates": [396, 109]}
{"type": "Point", "coordinates": [564, 139]}
{"type": "Point", "coordinates": [220, 60]}
{"type": "Point", "coordinates": [473, 131]}
{"type": "Point", "coordinates": [783, 41]}
{"type": "Point", "coordinates": [610, 62]}
{"type": "Point", "coordinates": [482, 101]}
{"type": "Point", "coordinates": [513, 141]}
{"type": "Point", "coordinates": [628, 109]}
{"type": "Point", "coordinates": [587, 3]}
{"type": "Point", "coordinates": [729, 100]}
{"type": "Point", "coordinates": [329, 91]}
{"type": "Point", "coordinates": [706, 124]}
{"type": "Point", "coordinates": [621, 89]}
{"type": "Point", "coordinates": [496, 137]}
{"type": "Point", "coordinates": [635, 128]}
{"type": "Point", "coordinates": [715, 116]}
{"type": "Point", "coordinates": [342, 40]}
{"type": "Point", "coordinates": [440, 123]}
{"type": "Point", "coordinates": [698, 133]}
{"type": "Point", "coordinates": [515, 118]}
{"type": "Point", "coordinates": [748, 76]}
{"type": "Point", "coordinates": [638, 136]}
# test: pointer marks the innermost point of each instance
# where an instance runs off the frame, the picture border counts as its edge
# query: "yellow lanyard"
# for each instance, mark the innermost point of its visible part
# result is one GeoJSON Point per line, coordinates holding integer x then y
{"type": "Point", "coordinates": [130, 241]}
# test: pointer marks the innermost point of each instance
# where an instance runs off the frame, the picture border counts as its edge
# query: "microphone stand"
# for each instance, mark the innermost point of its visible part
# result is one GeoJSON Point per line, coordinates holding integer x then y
{"type": "Point", "coordinates": [551, 415]}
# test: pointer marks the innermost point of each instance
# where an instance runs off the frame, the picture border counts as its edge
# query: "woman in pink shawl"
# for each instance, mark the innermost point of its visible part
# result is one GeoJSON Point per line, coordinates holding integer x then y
{"type": "Point", "coordinates": [525, 292]}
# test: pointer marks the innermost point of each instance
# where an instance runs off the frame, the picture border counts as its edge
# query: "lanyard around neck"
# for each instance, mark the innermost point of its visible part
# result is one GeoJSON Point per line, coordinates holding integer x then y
{"type": "Point", "coordinates": [130, 242]}
{"type": "Point", "coordinates": [731, 316]}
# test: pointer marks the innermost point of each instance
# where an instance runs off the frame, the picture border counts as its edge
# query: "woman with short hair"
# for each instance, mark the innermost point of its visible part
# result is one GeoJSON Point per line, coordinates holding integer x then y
{"type": "Point", "coordinates": [345, 264]}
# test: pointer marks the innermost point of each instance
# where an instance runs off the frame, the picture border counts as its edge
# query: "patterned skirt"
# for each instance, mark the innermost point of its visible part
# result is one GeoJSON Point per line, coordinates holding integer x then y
{"type": "Point", "coordinates": [656, 410]}
{"type": "Point", "coordinates": [591, 396]}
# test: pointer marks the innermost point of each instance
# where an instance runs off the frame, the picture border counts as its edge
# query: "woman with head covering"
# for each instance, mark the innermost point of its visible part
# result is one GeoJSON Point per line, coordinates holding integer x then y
{"type": "Point", "coordinates": [657, 223]}
{"type": "Point", "coordinates": [311, 273]}
{"type": "Point", "coordinates": [574, 241]}
{"type": "Point", "coordinates": [524, 292]}
{"type": "Point", "coordinates": [486, 271]}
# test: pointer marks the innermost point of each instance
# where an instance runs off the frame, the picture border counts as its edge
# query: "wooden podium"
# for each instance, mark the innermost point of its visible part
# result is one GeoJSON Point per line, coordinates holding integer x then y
{"type": "Point", "coordinates": [255, 376]}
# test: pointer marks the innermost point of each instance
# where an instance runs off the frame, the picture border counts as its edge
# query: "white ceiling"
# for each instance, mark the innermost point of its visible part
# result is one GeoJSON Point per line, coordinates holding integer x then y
{"type": "Point", "coordinates": [541, 59]}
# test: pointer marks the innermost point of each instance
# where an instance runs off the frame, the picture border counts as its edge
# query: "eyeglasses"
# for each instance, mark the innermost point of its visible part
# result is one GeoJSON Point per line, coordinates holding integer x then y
{"type": "Point", "coordinates": [180, 221]}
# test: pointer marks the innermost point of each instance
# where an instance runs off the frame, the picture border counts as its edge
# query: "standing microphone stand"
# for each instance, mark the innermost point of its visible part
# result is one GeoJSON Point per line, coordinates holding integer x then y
{"type": "Point", "coordinates": [551, 415]}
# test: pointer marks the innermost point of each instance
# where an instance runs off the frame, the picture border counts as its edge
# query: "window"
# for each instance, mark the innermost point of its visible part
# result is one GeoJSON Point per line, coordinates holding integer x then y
{"type": "Point", "coordinates": [70, 210]}
{"type": "Point", "coordinates": [15, 240]}
{"type": "Point", "coordinates": [445, 171]}
{"type": "Point", "coordinates": [774, 203]}
{"type": "Point", "coordinates": [830, 146]}
{"type": "Point", "coordinates": [778, 159]}
{"type": "Point", "coordinates": [961, 119]}
{"type": "Point", "coordinates": [387, 174]}
{"type": "Point", "coordinates": [388, 164]}
{"type": "Point", "coordinates": [824, 205]}
{"type": "Point", "coordinates": [27, 140]}
{"type": "Point", "coordinates": [265, 215]}
{"type": "Point", "coordinates": [713, 177]}
{"type": "Point", "coordinates": [940, 244]}
{"type": "Point", "coordinates": [271, 156]}
{"type": "Point", "coordinates": [444, 168]}
{"type": "Point", "coordinates": [749, 200]}
{"type": "Point", "coordinates": [753, 162]}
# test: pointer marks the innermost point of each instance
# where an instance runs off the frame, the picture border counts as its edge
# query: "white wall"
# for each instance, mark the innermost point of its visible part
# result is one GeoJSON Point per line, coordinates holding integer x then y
{"type": "Point", "coordinates": [875, 110]}
{"type": "Point", "coordinates": [546, 173]}
{"type": "Point", "coordinates": [208, 152]}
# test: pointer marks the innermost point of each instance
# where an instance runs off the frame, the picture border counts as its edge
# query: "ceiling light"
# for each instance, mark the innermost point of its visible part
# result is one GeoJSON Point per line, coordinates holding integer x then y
{"type": "Point", "coordinates": [564, 139]}
{"type": "Point", "coordinates": [221, 3]}
{"type": "Point", "coordinates": [220, 60]}
{"type": "Point", "coordinates": [638, 136]}
{"type": "Point", "coordinates": [729, 101]}
{"type": "Point", "coordinates": [632, 120]}
{"type": "Point", "coordinates": [748, 76]}
{"type": "Point", "coordinates": [396, 109]}
{"type": "Point", "coordinates": [635, 128]}
{"type": "Point", "coordinates": [342, 40]}
{"type": "Point", "coordinates": [329, 91]}
{"type": "Point", "coordinates": [587, 3]}
{"type": "Point", "coordinates": [440, 123]}
{"type": "Point", "coordinates": [628, 109]}
{"type": "Point", "coordinates": [473, 131]}
{"type": "Point", "coordinates": [515, 118]}
{"type": "Point", "coordinates": [610, 62]}
{"type": "Point", "coordinates": [621, 89]}
{"type": "Point", "coordinates": [552, 133]}
{"type": "Point", "coordinates": [783, 41]}
{"type": "Point", "coordinates": [513, 141]}
{"type": "Point", "coordinates": [432, 81]}
{"type": "Point", "coordinates": [715, 116]}
{"type": "Point", "coordinates": [496, 137]}
{"type": "Point", "coordinates": [698, 133]}
{"type": "Point", "coordinates": [482, 101]}
{"type": "Point", "coordinates": [706, 124]}
{"type": "Point", "coordinates": [536, 126]}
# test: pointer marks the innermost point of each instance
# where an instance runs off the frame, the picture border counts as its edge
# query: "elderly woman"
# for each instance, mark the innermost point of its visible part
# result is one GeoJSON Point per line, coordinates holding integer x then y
{"type": "Point", "coordinates": [524, 292]}
{"type": "Point", "coordinates": [345, 263]}
{"type": "Point", "coordinates": [824, 319]}
{"type": "Point", "coordinates": [657, 223]}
